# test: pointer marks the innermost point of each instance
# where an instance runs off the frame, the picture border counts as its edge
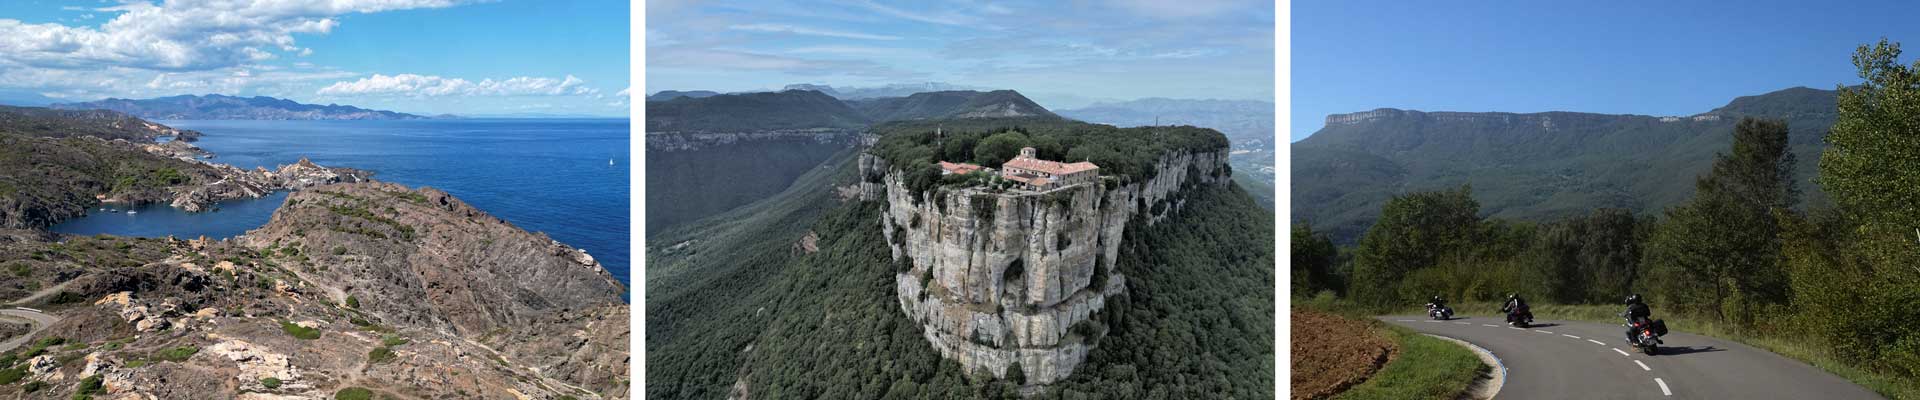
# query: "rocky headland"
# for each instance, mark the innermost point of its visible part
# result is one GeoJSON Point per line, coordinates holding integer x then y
{"type": "Point", "coordinates": [407, 293]}
{"type": "Point", "coordinates": [353, 286]}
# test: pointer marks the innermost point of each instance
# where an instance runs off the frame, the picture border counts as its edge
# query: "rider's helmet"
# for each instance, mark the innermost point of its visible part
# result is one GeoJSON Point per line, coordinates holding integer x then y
{"type": "Point", "coordinates": [1514, 295]}
{"type": "Point", "coordinates": [1435, 299]}
{"type": "Point", "coordinates": [1633, 298]}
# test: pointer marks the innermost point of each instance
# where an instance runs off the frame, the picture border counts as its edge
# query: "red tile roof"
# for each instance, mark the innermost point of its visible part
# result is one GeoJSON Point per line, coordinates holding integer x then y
{"type": "Point", "coordinates": [1051, 167]}
{"type": "Point", "coordinates": [958, 168]}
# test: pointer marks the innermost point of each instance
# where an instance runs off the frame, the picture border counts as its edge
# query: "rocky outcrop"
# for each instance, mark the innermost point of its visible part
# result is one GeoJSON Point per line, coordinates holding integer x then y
{"type": "Point", "coordinates": [1003, 277]}
{"type": "Point", "coordinates": [422, 258]}
{"type": "Point", "coordinates": [236, 183]}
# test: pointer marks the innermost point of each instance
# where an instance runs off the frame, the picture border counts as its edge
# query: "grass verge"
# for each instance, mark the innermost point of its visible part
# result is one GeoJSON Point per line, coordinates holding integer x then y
{"type": "Point", "coordinates": [1803, 349]}
{"type": "Point", "coordinates": [1428, 368]}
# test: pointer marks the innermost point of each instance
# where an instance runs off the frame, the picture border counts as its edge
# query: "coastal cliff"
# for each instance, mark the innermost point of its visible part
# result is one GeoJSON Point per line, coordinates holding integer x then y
{"type": "Point", "coordinates": [1004, 278]}
{"type": "Point", "coordinates": [404, 293]}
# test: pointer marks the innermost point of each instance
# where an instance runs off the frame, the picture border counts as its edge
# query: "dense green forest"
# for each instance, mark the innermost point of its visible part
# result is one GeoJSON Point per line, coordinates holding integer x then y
{"type": "Point", "coordinates": [1536, 167]}
{"type": "Point", "coordinates": [747, 112]}
{"type": "Point", "coordinates": [1742, 251]}
{"type": "Point", "coordinates": [687, 185]}
{"type": "Point", "coordinates": [1127, 154]}
{"type": "Point", "coordinates": [733, 304]}
{"type": "Point", "coordinates": [945, 104]}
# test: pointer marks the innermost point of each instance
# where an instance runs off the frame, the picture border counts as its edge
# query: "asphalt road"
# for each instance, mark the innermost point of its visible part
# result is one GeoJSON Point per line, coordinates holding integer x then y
{"type": "Point", "coordinates": [1589, 360]}
{"type": "Point", "coordinates": [40, 321]}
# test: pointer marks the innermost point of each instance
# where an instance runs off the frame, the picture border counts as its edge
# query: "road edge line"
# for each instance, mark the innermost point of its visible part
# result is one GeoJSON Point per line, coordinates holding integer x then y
{"type": "Point", "coordinates": [1499, 373]}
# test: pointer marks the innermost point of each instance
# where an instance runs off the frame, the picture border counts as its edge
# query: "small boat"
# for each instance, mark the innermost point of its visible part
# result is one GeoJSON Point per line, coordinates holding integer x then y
{"type": "Point", "coordinates": [609, 161]}
{"type": "Point", "coordinates": [132, 212]}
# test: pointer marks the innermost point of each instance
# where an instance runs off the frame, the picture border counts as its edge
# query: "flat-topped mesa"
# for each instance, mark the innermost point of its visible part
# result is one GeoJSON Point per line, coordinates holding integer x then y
{"type": "Point", "coordinates": [1005, 274]}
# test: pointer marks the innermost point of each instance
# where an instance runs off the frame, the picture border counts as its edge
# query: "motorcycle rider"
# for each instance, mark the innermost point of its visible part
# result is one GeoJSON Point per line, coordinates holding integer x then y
{"type": "Point", "coordinates": [1637, 314]}
{"type": "Point", "coordinates": [1515, 303]}
{"type": "Point", "coordinates": [1435, 303]}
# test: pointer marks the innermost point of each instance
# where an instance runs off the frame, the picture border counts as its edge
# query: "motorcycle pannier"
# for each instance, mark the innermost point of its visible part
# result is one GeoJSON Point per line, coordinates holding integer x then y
{"type": "Point", "coordinates": [1659, 327]}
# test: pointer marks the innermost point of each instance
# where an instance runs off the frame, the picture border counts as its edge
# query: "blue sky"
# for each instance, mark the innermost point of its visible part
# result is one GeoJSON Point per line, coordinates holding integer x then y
{"type": "Point", "coordinates": [1676, 58]}
{"type": "Point", "coordinates": [1061, 54]}
{"type": "Point", "coordinates": [472, 57]}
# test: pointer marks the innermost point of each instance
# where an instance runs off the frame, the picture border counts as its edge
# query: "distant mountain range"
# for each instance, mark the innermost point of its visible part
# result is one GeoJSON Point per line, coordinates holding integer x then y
{"type": "Point", "coordinates": [665, 95]}
{"type": "Point", "coordinates": [214, 106]}
{"type": "Point", "coordinates": [891, 90]}
{"type": "Point", "coordinates": [1240, 120]}
{"type": "Point", "coordinates": [811, 109]}
{"type": "Point", "coordinates": [1537, 166]}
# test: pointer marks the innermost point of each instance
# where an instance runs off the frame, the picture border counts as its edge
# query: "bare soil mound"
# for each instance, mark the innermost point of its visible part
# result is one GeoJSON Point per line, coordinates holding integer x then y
{"type": "Point", "coordinates": [1332, 353]}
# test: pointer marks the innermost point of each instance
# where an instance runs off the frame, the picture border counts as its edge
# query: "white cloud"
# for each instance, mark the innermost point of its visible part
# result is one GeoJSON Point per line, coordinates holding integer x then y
{"type": "Point", "coordinates": [184, 35]}
{"type": "Point", "coordinates": [801, 30]}
{"type": "Point", "coordinates": [628, 92]}
{"type": "Point", "coordinates": [412, 85]}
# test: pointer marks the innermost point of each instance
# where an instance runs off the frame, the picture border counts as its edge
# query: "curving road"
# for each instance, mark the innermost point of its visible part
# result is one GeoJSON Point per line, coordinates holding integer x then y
{"type": "Point", "coordinates": [1589, 360]}
{"type": "Point", "coordinates": [39, 320]}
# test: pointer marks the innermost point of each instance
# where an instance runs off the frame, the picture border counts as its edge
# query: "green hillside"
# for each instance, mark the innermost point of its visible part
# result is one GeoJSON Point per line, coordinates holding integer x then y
{"type": "Point", "coordinates": [950, 104]}
{"type": "Point", "coordinates": [734, 304]}
{"type": "Point", "coordinates": [746, 112]}
{"type": "Point", "coordinates": [1537, 167]}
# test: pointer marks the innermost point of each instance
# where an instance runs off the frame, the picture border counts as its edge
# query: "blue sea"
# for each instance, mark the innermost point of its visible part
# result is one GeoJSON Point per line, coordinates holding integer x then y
{"type": "Point", "coordinates": [565, 177]}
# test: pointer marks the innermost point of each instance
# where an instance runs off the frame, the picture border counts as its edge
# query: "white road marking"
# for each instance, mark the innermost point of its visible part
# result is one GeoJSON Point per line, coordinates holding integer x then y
{"type": "Point", "coordinates": [1596, 342]}
{"type": "Point", "coordinates": [1515, 328]}
{"type": "Point", "coordinates": [1663, 387]}
{"type": "Point", "coordinates": [1432, 322]}
{"type": "Point", "coordinates": [1463, 323]}
{"type": "Point", "coordinates": [1541, 331]}
{"type": "Point", "coordinates": [1486, 325]}
{"type": "Point", "coordinates": [1571, 336]}
{"type": "Point", "coordinates": [1642, 365]}
{"type": "Point", "coordinates": [1404, 320]}
{"type": "Point", "coordinates": [1617, 350]}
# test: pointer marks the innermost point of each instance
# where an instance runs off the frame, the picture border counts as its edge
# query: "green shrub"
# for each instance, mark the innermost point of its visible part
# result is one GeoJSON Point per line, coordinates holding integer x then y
{"type": "Point", "coordinates": [339, 250]}
{"type": "Point", "coordinates": [33, 386]}
{"type": "Point", "coordinates": [353, 393]}
{"type": "Point", "coordinates": [21, 269]}
{"type": "Point", "coordinates": [393, 340]}
{"type": "Point", "coordinates": [176, 354]}
{"type": "Point", "coordinates": [270, 382]}
{"type": "Point", "coordinates": [88, 387]}
{"type": "Point", "coordinates": [299, 332]}
{"type": "Point", "coordinates": [10, 375]}
{"type": "Point", "coordinates": [353, 302]}
{"type": "Point", "coordinates": [380, 355]}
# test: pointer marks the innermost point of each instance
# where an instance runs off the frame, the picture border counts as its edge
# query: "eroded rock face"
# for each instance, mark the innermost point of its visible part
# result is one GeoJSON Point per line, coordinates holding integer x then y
{"type": "Point", "coordinates": [421, 258]}
{"type": "Point", "coordinates": [998, 278]}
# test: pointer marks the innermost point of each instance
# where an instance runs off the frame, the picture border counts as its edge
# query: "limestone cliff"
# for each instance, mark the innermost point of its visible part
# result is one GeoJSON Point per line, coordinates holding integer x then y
{"type": "Point", "coordinates": [1003, 277]}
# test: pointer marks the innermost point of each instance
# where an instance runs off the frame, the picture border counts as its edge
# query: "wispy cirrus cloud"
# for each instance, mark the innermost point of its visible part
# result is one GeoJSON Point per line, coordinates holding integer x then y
{"type": "Point", "coordinates": [701, 58]}
{"type": "Point", "coordinates": [412, 85]}
{"type": "Point", "coordinates": [800, 30]}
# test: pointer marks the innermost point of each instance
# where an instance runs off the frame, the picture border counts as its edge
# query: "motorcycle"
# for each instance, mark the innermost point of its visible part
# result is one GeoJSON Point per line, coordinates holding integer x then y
{"type": "Point", "coordinates": [1647, 334]}
{"type": "Point", "coordinates": [1442, 313]}
{"type": "Point", "coordinates": [1520, 316]}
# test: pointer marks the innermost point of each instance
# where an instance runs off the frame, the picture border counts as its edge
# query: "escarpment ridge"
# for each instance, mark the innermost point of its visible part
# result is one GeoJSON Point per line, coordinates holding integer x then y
{"type": "Point", "coordinates": [1003, 279]}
